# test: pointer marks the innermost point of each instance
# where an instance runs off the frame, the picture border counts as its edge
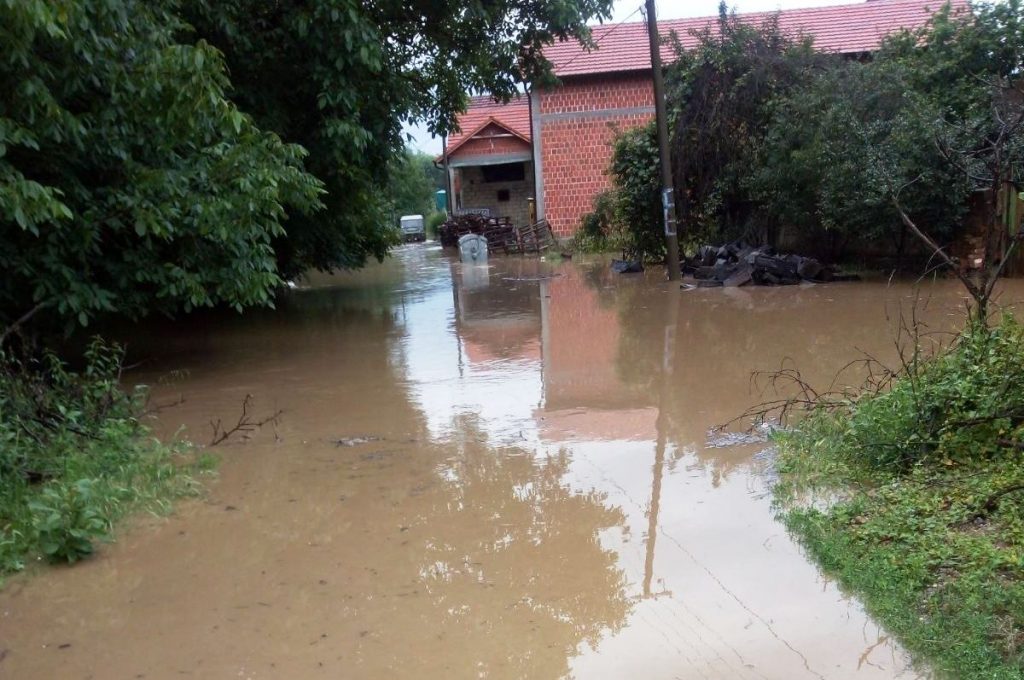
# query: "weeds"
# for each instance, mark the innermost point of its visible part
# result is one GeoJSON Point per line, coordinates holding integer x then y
{"type": "Point", "coordinates": [921, 500]}
{"type": "Point", "coordinates": [74, 457]}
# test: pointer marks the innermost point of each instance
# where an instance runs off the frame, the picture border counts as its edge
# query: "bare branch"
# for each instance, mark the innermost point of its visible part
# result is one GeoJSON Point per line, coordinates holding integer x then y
{"type": "Point", "coordinates": [245, 423]}
{"type": "Point", "coordinates": [20, 321]}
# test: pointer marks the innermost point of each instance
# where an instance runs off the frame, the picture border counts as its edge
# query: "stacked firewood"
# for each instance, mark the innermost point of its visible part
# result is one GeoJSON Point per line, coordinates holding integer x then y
{"type": "Point", "coordinates": [499, 232]}
{"type": "Point", "coordinates": [458, 226]}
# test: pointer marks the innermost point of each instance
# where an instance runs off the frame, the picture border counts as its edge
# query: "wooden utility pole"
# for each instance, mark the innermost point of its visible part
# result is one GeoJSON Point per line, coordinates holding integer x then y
{"type": "Point", "coordinates": [668, 202]}
{"type": "Point", "coordinates": [449, 206]}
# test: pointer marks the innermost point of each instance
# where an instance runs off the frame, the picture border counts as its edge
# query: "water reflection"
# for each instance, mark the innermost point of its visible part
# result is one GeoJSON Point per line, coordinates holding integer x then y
{"type": "Point", "coordinates": [539, 499]}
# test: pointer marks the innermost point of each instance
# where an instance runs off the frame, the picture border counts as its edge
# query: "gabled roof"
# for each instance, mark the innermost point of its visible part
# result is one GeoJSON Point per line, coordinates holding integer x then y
{"type": "Point", "coordinates": [846, 29]}
{"type": "Point", "coordinates": [482, 111]}
{"type": "Point", "coordinates": [487, 123]}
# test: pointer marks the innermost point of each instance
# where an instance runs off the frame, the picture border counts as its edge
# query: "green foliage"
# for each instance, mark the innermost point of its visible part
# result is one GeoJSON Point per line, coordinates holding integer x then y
{"type": "Point", "coordinates": [772, 138]}
{"type": "Point", "coordinates": [963, 405]}
{"type": "Point", "coordinates": [922, 512]}
{"type": "Point", "coordinates": [74, 457]}
{"type": "Point", "coordinates": [433, 223]}
{"type": "Point", "coordinates": [340, 77]}
{"type": "Point", "coordinates": [842, 146]}
{"type": "Point", "coordinates": [128, 182]}
{"type": "Point", "coordinates": [411, 185]}
{"type": "Point", "coordinates": [637, 180]}
{"type": "Point", "coordinates": [599, 230]}
{"type": "Point", "coordinates": [721, 95]}
{"type": "Point", "coordinates": [830, 156]}
{"type": "Point", "coordinates": [67, 519]}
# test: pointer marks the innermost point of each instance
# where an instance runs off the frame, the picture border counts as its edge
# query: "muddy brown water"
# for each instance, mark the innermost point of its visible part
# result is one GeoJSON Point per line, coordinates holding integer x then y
{"type": "Point", "coordinates": [535, 495]}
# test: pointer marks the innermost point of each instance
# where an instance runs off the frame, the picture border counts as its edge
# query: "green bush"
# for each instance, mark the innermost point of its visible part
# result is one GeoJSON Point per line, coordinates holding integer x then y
{"type": "Point", "coordinates": [434, 221]}
{"type": "Point", "coordinates": [963, 405]}
{"type": "Point", "coordinates": [67, 518]}
{"type": "Point", "coordinates": [74, 457]}
{"type": "Point", "coordinates": [599, 230]}
{"type": "Point", "coordinates": [637, 181]}
{"type": "Point", "coordinates": [919, 506]}
{"type": "Point", "coordinates": [721, 93]}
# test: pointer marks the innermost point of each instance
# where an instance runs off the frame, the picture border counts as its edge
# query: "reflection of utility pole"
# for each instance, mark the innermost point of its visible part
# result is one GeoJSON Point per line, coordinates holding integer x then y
{"type": "Point", "coordinates": [668, 351]}
{"type": "Point", "coordinates": [667, 200]}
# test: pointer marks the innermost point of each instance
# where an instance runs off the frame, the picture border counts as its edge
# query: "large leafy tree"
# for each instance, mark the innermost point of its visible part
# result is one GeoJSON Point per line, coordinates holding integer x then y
{"type": "Point", "coordinates": [721, 95]}
{"type": "Point", "coordinates": [128, 182]}
{"type": "Point", "coordinates": [340, 76]}
{"type": "Point", "coordinates": [821, 166]}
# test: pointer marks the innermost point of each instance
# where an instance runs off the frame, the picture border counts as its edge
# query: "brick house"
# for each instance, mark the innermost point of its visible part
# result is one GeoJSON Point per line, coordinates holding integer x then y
{"type": "Point", "coordinates": [554, 145]}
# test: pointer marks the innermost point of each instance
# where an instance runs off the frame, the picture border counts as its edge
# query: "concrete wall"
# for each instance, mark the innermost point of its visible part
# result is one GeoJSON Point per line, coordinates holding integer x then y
{"type": "Point", "coordinates": [575, 125]}
{"type": "Point", "coordinates": [475, 193]}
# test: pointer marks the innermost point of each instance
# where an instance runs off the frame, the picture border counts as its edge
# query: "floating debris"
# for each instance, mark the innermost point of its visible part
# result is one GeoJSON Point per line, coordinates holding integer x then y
{"type": "Point", "coordinates": [718, 439]}
{"type": "Point", "coordinates": [624, 267]}
{"type": "Point", "coordinates": [355, 441]}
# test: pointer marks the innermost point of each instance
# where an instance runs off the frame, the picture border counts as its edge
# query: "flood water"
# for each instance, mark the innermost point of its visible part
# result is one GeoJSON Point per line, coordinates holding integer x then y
{"type": "Point", "coordinates": [525, 488]}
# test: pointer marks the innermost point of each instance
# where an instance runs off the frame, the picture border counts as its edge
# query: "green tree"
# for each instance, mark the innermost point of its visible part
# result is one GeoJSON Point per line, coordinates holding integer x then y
{"type": "Point", "coordinates": [637, 180]}
{"type": "Point", "coordinates": [721, 95]}
{"type": "Point", "coordinates": [968, 84]}
{"type": "Point", "coordinates": [340, 77]}
{"type": "Point", "coordinates": [128, 182]}
{"type": "Point", "coordinates": [819, 168]}
{"type": "Point", "coordinates": [411, 187]}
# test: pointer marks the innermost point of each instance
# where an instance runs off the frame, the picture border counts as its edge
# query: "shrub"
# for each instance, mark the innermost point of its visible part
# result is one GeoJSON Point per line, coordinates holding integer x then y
{"type": "Point", "coordinates": [434, 221]}
{"type": "Point", "coordinates": [965, 404]}
{"type": "Point", "coordinates": [599, 230]}
{"type": "Point", "coordinates": [67, 518]}
{"type": "Point", "coordinates": [637, 181]}
{"type": "Point", "coordinates": [75, 456]}
{"type": "Point", "coordinates": [923, 515]}
{"type": "Point", "coordinates": [721, 94]}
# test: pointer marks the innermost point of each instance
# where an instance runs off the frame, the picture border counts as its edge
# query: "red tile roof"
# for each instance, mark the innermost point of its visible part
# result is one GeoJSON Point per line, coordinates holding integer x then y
{"type": "Point", "coordinates": [847, 29]}
{"type": "Point", "coordinates": [515, 116]}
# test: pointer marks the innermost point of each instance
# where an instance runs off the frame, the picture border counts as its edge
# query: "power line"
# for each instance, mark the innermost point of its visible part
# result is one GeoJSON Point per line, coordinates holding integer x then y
{"type": "Point", "coordinates": [604, 35]}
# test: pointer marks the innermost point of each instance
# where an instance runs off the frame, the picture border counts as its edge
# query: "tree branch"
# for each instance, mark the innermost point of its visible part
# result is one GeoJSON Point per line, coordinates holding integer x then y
{"type": "Point", "coordinates": [977, 294]}
{"type": "Point", "coordinates": [20, 321]}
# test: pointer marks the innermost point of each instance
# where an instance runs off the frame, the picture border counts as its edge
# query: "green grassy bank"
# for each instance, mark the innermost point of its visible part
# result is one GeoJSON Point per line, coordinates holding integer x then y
{"type": "Point", "coordinates": [76, 456]}
{"type": "Point", "coordinates": [913, 498]}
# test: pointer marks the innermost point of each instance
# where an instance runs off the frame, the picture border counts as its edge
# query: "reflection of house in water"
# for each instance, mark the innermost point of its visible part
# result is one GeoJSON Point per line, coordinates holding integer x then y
{"type": "Point", "coordinates": [526, 314]}
{"type": "Point", "coordinates": [584, 394]}
{"type": "Point", "coordinates": [497, 318]}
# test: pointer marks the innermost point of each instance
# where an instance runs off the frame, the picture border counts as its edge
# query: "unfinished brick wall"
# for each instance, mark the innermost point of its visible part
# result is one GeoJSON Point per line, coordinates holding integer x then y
{"type": "Point", "coordinates": [475, 193]}
{"type": "Point", "coordinates": [578, 122]}
{"type": "Point", "coordinates": [493, 140]}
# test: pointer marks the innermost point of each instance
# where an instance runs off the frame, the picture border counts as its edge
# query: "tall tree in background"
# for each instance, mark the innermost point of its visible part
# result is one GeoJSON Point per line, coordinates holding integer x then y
{"type": "Point", "coordinates": [414, 179]}
{"type": "Point", "coordinates": [340, 76]}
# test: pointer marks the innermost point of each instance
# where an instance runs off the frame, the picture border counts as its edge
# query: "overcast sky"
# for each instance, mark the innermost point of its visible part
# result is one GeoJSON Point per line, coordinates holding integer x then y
{"type": "Point", "coordinates": [667, 9]}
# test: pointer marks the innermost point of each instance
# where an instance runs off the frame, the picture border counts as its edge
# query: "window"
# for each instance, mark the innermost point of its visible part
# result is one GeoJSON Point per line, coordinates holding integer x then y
{"type": "Point", "coordinates": [505, 172]}
{"type": "Point", "coordinates": [503, 196]}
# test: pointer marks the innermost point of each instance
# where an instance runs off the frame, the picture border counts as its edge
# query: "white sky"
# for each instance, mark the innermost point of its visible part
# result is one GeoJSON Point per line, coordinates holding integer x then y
{"type": "Point", "coordinates": [667, 9]}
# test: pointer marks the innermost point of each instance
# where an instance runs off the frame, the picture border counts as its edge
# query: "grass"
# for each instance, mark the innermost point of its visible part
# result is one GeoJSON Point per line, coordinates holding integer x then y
{"type": "Point", "coordinates": [75, 457]}
{"type": "Point", "coordinates": [913, 498]}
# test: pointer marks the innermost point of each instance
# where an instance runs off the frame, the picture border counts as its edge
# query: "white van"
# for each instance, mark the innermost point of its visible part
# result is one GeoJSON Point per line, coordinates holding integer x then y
{"type": "Point", "coordinates": [412, 228]}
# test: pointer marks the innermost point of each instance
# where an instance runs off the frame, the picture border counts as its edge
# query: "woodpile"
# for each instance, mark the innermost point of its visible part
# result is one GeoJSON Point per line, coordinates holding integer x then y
{"type": "Point", "coordinates": [499, 232]}
{"type": "Point", "coordinates": [739, 264]}
{"type": "Point", "coordinates": [458, 226]}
